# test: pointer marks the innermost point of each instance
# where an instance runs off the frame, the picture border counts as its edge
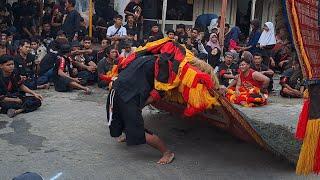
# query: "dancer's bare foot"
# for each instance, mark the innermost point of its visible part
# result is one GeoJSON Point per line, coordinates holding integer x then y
{"type": "Point", "coordinates": [121, 139]}
{"type": "Point", "coordinates": [167, 158]}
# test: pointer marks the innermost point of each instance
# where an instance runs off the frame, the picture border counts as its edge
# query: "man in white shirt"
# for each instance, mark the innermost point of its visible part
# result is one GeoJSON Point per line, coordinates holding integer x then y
{"type": "Point", "coordinates": [117, 32]}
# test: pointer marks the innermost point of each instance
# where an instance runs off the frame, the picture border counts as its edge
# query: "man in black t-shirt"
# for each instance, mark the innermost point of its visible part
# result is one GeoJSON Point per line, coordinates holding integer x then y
{"type": "Point", "coordinates": [71, 25]}
{"type": "Point", "coordinates": [132, 29]}
{"type": "Point", "coordinates": [257, 65]}
{"type": "Point", "coordinates": [135, 8]}
{"type": "Point", "coordinates": [13, 100]}
{"type": "Point", "coordinates": [227, 70]}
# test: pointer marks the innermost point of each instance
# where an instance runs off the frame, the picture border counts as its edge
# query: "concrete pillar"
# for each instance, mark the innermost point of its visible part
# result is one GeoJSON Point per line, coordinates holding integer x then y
{"type": "Point", "coordinates": [164, 14]}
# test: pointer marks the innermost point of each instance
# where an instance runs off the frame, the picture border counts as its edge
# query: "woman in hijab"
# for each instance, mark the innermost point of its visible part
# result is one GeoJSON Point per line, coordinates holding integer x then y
{"type": "Point", "coordinates": [214, 50]}
{"type": "Point", "coordinates": [253, 37]}
{"type": "Point", "coordinates": [267, 42]}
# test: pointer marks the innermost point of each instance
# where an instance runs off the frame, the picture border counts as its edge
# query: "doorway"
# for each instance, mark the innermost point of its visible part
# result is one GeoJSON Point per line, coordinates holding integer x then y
{"type": "Point", "coordinates": [244, 15]}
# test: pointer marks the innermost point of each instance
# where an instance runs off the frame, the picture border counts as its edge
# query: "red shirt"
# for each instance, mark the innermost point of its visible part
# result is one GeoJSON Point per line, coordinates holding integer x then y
{"type": "Point", "coordinates": [248, 81]}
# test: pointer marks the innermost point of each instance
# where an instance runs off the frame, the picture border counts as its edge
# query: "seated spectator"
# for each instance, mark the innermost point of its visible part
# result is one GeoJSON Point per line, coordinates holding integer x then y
{"type": "Point", "coordinates": [117, 32]}
{"type": "Point", "coordinates": [155, 32]}
{"type": "Point", "coordinates": [132, 29]}
{"type": "Point", "coordinates": [63, 78]}
{"type": "Point", "coordinates": [227, 70]}
{"type": "Point", "coordinates": [249, 86]}
{"type": "Point", "coordinates": [84, 67]}
{"type": "Point", "coordinates": [291, 82]}
{"type": "Point", "coordinates": [106, 67]}
{"type": "Point", "coordinates": [13, 99]}
{"type": "Point", "coordinates": [61, 35]}
{"type": "Point", "coordinates": [25, 66]}
{"type": "Point", "coordinates": [258, 66]}
{"type": "Point", "coordinates": [11, 44]}
{"type": "Point", "coordinates": [231, 41]}
{"type": "Point", "coordinates": [46, 35]}
{"type": "Point", "coordinates": [253, 37]}
{"type": "Point", "coordinates": [214, 50]}
{"type": "Point", "coordinates": [83, 30]}
{"type": "Point", "coordinates": [37, 50]}
{"type": "Point", "coordinates": [3, 49]}
{"type": "Point", "coordinates": [182, 36]}
{"type": "Point", "coordinates": [102, 51]}
{"type": "Point", "coordinates": [48, 62]}
{"type": "Point", "coordinates": [170, 34]}
{"type": "Point", "coordinates": [127, 49]}
{"type": "Point", "coordinates": [196, 42]}
{"type": "Point", "coordinates": [88, 52]}
{"type": "Point", "coordinates": [266, 43]}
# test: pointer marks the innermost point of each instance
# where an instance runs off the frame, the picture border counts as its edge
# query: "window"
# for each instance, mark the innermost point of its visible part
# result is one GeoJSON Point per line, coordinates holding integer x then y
{"type": "Point", "coordinates": [176, 9]}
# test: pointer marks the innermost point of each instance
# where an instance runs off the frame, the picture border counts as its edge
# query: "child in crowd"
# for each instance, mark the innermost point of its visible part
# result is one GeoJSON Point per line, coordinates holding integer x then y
{"type": "Point", "coordinates": [171, 34]}
{"type": "Point", "coordinates": [13, 99]}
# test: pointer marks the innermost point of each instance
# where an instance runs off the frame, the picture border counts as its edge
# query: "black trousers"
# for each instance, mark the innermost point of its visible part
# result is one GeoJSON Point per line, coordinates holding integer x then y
{"type": "Point", "coordinates": [127, 118]}
{"type": "Point", "coordinates": [29, 104]}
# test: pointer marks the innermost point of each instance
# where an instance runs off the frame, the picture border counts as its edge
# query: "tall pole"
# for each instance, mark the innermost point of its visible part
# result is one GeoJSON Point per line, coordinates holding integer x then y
{"type": "Point", "coordinates": [164, 14]}
{"type": "Point", "coordinates": [90, 17]}
{"type": "Point", "coordinates": [253, 9]}
{"type": "Point", "coordinates": [223, 21]}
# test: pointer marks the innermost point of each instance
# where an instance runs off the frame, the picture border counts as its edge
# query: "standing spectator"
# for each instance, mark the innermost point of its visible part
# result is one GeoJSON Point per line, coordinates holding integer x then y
{"type": "Point", "coordinates": [56, 21]}
{"type": "Point", "coordinates": [28, 27]}
{"type": "Point", "coordinates": [71, 23]}
{"type": "Point", "coordinates": [5, 19]}
{"type": "Point", "coordinates": [134, 8]}
{"type": "Point", "coordinates": [132, 29]}
{"type": "Point", "coordinates": [117, 32]}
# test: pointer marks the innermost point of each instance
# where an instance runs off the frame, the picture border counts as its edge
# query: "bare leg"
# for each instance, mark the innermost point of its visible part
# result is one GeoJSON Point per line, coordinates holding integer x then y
{"type": "Point", "coordinates": [79, 86]}
{"type": "Point", "coordinates": [155, 142]}
{"type": "Point", "coordinates": [13, 112]}
{"type": "Point", "coordinates": [44, 86]}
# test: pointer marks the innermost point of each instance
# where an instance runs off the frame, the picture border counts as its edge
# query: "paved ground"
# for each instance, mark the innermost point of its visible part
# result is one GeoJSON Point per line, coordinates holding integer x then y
{"type": "Point", "coordinates": [68, 135]}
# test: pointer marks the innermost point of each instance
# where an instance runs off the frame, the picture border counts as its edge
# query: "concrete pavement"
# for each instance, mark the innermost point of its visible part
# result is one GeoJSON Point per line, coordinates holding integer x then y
{"type": "Point", "coordinates": [68, 135]}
